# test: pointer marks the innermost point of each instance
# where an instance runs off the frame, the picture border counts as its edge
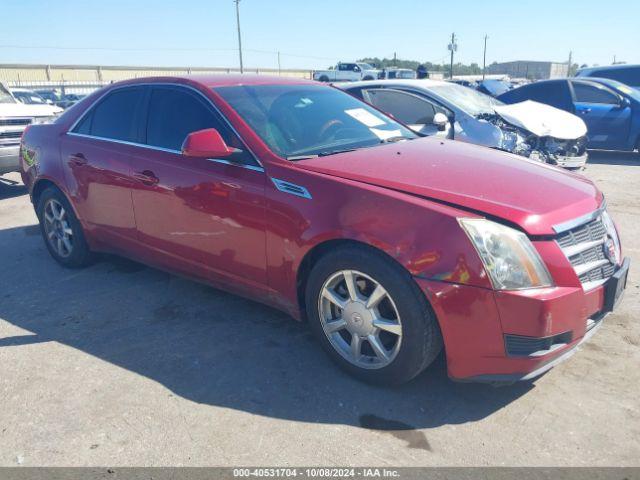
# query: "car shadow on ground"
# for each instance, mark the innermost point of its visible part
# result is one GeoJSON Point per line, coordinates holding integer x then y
{"type": "Point", "coordinates": [10, 188]}
{"type": "Point", "coordinates": [605, 157]}
{"type": "Point", "coordinates": [215, 348]}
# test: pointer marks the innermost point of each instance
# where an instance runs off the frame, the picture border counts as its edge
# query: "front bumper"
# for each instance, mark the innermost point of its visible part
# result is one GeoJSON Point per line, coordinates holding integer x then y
{"type": "Point", "coordinates": [9, 159]}
{"type": "Point", "coordinates": [477, 325]}
{"type": "Point", "coordinates": [572, 162]}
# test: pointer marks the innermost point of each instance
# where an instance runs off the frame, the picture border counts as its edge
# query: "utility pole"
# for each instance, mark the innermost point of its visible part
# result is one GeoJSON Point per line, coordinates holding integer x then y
{"type": "Point", "coordinates": [279, 63]}
{"type": "Point", "coordinates": [614, 60]}
{"type": "Point", "coordinates": [484, 57]}
{"type": "Point", "coordinates": [239, 36]}
{"type": "Point", "coordinates": [453, 46]}
{"type": "Point", "coordinates": [569, 63]}
{"type": "Point", "coordinates": [394, 59]}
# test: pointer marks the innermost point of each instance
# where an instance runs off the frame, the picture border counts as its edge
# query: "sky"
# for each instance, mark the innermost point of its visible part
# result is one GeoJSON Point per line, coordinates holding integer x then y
{"type": "Point", "coordinates": [314, 34]}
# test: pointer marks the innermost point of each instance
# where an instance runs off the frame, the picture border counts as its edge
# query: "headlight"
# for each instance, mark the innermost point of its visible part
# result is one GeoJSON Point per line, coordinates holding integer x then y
{"type": "Point", "coordinates": [40, 120]}
{"type": "Point", "coordinates": [509, 257]}
{"type": "Point", "coordinates": [613, 233]}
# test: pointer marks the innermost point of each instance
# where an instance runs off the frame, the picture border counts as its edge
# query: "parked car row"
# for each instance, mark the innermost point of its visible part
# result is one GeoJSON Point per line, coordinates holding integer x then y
{"type": "Point", "coordinates": [529, 129]}
{"type": "Point", "coordinates": [610, 109]}
{"type": "Point", "coordinates": [296, 194]}
{"type": "Point", "coordinates": [15, 116]}
{"type": "Point", "coordinates": [46, 96]}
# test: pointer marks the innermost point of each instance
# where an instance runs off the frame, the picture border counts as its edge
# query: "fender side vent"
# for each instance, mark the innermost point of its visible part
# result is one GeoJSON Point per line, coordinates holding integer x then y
{"type": "Point", "coordinates": [291, 188]}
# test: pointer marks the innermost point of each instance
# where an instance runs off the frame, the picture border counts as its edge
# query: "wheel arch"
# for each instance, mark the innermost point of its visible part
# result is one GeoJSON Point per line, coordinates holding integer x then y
{"type": "Point", "coordinates": [41, 185]}
{"type": "Point", "coordinates": [313, 255]}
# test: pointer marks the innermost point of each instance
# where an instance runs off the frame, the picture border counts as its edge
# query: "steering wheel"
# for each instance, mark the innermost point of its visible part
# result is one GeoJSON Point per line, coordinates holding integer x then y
{"type": "Point", "coordinates": [330, 129]}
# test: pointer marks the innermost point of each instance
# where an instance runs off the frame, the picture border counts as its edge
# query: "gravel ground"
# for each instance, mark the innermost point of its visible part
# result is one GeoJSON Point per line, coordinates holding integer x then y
{"type": "Point", "coordinates": [120, 364]}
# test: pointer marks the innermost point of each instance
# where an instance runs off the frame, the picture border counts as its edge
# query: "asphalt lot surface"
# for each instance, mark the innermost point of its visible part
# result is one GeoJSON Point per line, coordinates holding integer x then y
{"type": "Point", "coordinates": [120, 364]}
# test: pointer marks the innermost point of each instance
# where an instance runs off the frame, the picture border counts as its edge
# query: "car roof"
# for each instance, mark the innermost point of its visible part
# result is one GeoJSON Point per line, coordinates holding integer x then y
{"type": "Point", "coordinates": [221, 80]}
{"type": "Point", "coordinates": [622, 66]}
{"type": "Point", "coordinates": [421, 83]}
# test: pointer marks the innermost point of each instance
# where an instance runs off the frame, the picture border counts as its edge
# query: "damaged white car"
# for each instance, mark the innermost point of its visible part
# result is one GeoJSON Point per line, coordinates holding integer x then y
{"type": "Point", "coordinates": [529, 129]}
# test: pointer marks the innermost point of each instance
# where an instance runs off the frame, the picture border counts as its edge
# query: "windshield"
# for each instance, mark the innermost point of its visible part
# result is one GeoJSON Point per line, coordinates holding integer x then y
{"type": "Point", "coordinates": [5, 96]}
{"type": "Point", "coordinates": [622, 88]}
{"type": "Point", "coordinates": [467, 99]}
{"type": "Point", "coordinates": [305, 120]}
{"type": "Point", "coordinates": [365, 66]}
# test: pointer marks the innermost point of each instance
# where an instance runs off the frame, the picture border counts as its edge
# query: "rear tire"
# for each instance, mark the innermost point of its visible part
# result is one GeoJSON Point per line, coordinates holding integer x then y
{"type": "Point", "coordinates": [394, 340]}
{"type": "Point", "coordinates": [324, 78]}
{"type": "Point", "coordinates": [61, 230]}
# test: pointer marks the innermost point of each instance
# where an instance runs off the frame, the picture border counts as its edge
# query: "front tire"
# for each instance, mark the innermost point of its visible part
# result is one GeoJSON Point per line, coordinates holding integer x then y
{"type": "Point", "coordinates": [370, 316]}
{"type": "Point", "coordinates": [61, 230]}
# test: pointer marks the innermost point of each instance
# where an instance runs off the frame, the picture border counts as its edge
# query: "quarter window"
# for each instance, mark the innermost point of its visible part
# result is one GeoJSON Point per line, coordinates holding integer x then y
{"type": "Point", "coordinates": [591, 94]}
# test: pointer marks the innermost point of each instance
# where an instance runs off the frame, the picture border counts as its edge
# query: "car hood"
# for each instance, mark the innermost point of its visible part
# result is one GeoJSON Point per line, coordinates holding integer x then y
{"type": "Point", "coordinates": [543, 120]}
{"type": "Point", "coordinates": [24, 110]}
{"type": "Point", "coordinates": [533, 195]}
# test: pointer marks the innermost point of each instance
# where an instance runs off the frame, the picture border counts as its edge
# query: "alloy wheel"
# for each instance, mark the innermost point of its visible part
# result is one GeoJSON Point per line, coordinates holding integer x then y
{"type": "Point", "coordinates": [360, 319]}
{"type": "Point", "coordinates": [56, 226]}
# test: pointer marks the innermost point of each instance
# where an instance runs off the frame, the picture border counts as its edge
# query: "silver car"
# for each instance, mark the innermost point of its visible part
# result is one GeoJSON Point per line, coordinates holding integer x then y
{"type": "Point", "coordinates": [530, 129]}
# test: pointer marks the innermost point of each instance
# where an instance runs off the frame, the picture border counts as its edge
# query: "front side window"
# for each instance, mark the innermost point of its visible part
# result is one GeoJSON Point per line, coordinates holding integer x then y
{"type": "Point", "coordinates": [115, 116]}
{"type": "Point", "coordinates": [175, 112]}
{"type": "Point", "coordinates": [301, 120]}
{"type": "Point", "coordinates": [593, 94]}
{"type": "Point", "coordinates": [407, 108]}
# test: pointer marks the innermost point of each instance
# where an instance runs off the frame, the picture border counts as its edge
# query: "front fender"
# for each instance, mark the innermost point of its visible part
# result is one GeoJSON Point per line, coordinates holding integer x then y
{"type": "Point", "coordinates": [421, 235]}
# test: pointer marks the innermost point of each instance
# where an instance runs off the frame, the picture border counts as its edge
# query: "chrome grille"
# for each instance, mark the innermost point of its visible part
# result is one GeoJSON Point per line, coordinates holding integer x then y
{"type": "Point", "coordinates": [584, 246]}
{"type": "Point", "coordinates": [15, 121]}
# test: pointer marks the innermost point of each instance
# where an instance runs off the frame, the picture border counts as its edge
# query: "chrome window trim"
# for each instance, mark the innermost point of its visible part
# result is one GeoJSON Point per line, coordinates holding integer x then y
{"type": "Point", "coordinates": [258, 167]}
{"type": "Point", "coordinates": [576, 222]}
{"type": "Point", "coordinates": [167, 150]}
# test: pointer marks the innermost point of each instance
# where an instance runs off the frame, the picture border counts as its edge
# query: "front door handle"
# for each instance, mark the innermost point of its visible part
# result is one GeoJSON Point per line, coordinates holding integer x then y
{"type": "Point", "coordinates": [584, 111]}
{"type": "Point", "coordinates": [146, 177]}
{"type": "Point", "coordinates": [77, 159]}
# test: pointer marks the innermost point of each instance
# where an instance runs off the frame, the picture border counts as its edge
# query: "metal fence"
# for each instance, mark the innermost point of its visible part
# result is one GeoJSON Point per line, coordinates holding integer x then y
{"type": "Point", "coordinates": [85, 79]}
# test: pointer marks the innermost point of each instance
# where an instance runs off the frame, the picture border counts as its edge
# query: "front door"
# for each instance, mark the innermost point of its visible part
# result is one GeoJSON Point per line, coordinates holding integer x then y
{"type": "Point", "coordinates": [205, 212]}
{"type": "Point", "coordinates": [608, 119]}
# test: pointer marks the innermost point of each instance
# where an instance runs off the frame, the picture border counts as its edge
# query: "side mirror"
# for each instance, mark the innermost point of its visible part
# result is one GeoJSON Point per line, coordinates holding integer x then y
{"type": "Point", "coordinates": [624, 103]}
{"type": "Point", "coordinates": [356, 69]}
{"type": "Point", "coordinates": [440, 120]}
{"type": "Point", "coordinates": [206, 143]}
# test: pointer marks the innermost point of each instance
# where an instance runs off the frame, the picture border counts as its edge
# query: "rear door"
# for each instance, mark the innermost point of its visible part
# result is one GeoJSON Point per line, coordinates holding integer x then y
{"type": "Point", "coordinates": [608, 118]}
{"type": "Point", "coordinates": [96, 155]}
{"type": "Point", "coordinates": [198, 213]}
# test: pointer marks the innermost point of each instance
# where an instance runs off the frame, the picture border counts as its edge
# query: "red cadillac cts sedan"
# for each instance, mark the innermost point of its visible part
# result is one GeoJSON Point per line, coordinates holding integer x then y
{"type": "Point", "coordinates": [300, 196]}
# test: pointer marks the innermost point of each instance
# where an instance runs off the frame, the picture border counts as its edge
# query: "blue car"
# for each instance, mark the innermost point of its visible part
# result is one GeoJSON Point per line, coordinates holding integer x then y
{"type": "Point", "coordinates": [627, 74]}
{"type": "Point", "coordinates": [610, 109]}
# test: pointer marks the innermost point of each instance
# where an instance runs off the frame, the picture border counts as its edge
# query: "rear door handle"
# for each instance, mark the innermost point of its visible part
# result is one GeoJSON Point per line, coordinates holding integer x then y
{"type": "Point", "coordinates": [147, 177]}
{"type": "Point", "coordinates": [78, 159]}
{"type": "Point", "coordinates": [584, 111]}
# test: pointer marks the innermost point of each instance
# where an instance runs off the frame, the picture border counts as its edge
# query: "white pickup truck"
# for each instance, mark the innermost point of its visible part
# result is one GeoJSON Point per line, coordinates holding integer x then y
{"type": "Point", "coordinates": [348, 72]}
{"type": "Point", "coordinates": [14, 118]}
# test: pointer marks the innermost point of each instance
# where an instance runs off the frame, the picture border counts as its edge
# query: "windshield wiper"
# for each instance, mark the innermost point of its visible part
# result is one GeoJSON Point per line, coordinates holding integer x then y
{"type": "Point", "coordinates": [333, 152]}
{"type": "Point", "coordinates": [397, 138]}
{"type": "Point", "coordinates": [293, 158]}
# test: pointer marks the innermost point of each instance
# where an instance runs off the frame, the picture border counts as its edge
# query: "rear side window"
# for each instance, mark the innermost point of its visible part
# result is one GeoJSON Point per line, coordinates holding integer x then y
{"type": "Point", "coordinates": [591, 94]}
{"type": "Point", "coordinates": [404, 107]}
{"type": "Point", "coordinates": [174, 113]}
{"type": "Point", "coordinates": [115, 117]}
